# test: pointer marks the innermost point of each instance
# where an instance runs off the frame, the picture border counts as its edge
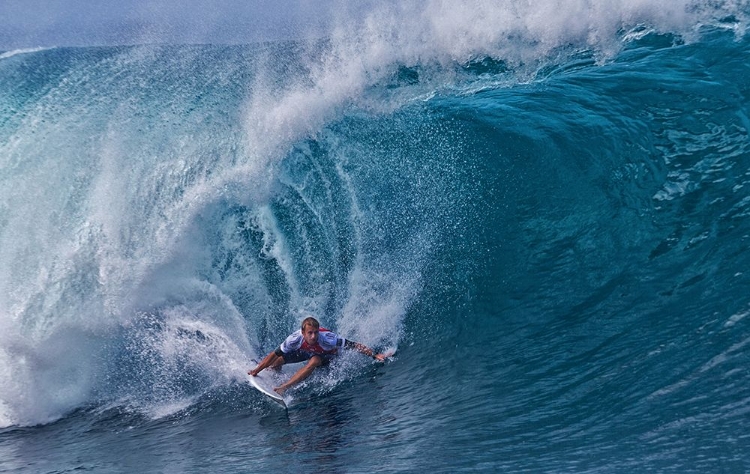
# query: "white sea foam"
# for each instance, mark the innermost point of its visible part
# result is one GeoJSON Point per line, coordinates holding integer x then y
{"type": "Point", "coordinates": [16, 52]}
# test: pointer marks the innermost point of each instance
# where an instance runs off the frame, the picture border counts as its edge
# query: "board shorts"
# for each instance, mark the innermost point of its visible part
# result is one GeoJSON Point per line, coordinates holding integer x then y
{"type": "Point", "coordinates": [301, 356]}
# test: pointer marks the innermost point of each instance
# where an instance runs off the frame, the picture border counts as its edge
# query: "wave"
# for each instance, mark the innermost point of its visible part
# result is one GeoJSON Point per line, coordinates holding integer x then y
{"type": "Point", "coordinates": [169, 211]}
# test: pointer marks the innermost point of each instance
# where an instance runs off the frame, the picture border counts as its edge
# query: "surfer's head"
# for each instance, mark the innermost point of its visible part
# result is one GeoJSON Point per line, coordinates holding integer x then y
{"type": "Point", "coordinates": [310, 321]}
{"type": "Point", "coordinates": [310, 330]}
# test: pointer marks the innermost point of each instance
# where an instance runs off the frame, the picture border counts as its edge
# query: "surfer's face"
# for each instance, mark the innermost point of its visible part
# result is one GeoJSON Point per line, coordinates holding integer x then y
{"type": "Point", "coordinates": [311, 335]}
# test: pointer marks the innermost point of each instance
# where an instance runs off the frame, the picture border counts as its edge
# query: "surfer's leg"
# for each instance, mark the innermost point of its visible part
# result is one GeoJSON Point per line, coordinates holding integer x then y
{"type": "Point", "coordinates": [314, 362]}
{"type": "Point", "coordinates": [277, 363]}
{"type": "Point", "coordinates": [271, 360]}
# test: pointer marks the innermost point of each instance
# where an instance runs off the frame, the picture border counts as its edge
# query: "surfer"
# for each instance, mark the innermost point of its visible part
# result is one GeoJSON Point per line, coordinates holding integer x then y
{"type": "Point", "coordinates": [311, 343]}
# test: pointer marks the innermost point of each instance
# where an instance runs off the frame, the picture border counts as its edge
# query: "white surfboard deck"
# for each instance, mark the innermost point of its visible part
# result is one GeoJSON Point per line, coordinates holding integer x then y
{"type": "Point", "coordinates": [264, 382]}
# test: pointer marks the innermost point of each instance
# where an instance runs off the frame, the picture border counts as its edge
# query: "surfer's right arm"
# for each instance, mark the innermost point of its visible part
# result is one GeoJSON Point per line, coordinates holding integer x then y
{"type": "Point", "coordinates": [266, 362]}
{"type": "Point", "coordinates": [276, 358]}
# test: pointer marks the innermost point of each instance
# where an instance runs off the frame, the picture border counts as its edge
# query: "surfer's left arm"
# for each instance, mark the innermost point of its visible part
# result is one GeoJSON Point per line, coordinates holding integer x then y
{"type": "Point", "coordinates": [363, 349]}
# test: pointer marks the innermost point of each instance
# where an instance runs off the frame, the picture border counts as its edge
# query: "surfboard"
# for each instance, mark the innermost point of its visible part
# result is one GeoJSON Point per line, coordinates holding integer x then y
{"type": "Point", "coordinates": [264, 383]}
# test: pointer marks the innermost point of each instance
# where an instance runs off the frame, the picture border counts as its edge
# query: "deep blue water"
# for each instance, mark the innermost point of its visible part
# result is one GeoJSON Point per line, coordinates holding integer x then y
{"type": "Point", "coordinates": [553, 235]}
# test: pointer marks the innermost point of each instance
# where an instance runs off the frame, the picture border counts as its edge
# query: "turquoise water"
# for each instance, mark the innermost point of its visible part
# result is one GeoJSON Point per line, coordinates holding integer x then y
{"type": "Point", "coordinates": [549, 223]}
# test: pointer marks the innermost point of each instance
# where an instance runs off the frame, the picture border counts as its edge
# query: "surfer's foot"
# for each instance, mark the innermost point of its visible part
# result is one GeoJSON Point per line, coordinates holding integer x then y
{"type": "Point", "coordinates": [279, 390]}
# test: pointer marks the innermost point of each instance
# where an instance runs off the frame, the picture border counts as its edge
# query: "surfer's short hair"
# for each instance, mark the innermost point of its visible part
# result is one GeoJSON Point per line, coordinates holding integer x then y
{"type": "Point", "coordinates": [311, 321]}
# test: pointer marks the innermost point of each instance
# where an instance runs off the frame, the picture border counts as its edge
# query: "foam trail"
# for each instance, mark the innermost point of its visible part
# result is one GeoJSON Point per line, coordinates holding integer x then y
{"type": "Point", "coordinates": [16, 52]}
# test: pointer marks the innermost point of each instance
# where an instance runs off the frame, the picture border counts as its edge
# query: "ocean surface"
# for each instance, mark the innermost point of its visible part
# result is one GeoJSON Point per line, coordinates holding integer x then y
{"type": "Point", "coordinates": [545, 210]}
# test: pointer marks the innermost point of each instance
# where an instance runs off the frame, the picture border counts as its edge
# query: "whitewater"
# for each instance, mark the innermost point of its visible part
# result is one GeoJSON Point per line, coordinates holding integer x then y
{"type": "Point", "coordinates": [543, 207]}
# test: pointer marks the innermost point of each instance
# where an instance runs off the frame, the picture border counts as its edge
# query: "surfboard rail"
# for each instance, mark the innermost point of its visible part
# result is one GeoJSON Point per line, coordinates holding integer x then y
{"type": "Point", "coordinates": [264, 383]}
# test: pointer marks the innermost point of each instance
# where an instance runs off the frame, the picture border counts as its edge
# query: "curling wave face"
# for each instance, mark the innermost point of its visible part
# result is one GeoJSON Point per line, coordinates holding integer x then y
{"type": "Point", "coordinates": [565, 188]}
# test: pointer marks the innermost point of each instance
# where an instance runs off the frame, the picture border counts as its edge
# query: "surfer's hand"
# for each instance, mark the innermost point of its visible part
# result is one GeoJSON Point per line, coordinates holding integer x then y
{"type": "Point", "coordinates": [384, 357]}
